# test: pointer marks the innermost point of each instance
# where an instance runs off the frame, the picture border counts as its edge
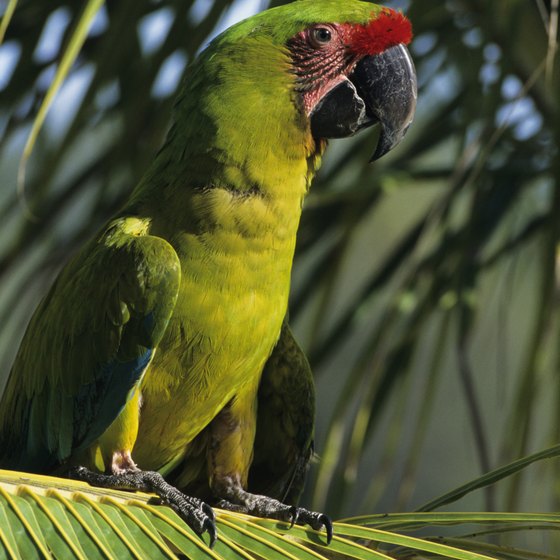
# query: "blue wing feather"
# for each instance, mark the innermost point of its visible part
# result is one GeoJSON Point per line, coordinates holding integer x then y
{"type": "Point", "coordinates": [113, 388]}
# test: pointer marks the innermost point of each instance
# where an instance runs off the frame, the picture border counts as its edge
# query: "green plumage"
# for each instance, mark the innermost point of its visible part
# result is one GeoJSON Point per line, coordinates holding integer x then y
{"type": "Point", "coordinates": [283, 442]}
{"type": "Point", "coordinates": [82, 354]}
{"type": "Point", "coordinates": [182, 296]}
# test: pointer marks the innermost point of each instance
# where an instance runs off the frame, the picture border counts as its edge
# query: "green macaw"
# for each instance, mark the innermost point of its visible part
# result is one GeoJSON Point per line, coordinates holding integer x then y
{"type": "Point", "coordinates": [163, 346]}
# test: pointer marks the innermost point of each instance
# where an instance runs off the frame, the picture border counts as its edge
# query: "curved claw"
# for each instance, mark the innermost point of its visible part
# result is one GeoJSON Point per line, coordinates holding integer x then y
{"type": "Point", "coordinates": [328, 525]}
{"type": "Point", "coordinates": [316, 521]}
{"type": "Point", "coordinates": [293, 515]}
{"type": "Point", "coordinates": [210, 527]}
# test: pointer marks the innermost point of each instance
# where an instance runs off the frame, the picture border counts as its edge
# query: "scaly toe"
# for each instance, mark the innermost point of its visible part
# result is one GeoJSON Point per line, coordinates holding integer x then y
{"type": "Point", "coordinates": [196, 513]}
{"type": "Point", "coordinates": [208, 511]}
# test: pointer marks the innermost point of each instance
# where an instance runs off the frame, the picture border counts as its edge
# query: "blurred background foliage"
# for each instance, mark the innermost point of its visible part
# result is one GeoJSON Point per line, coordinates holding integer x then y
{"type": "Point", "coordinates": [425, 286]}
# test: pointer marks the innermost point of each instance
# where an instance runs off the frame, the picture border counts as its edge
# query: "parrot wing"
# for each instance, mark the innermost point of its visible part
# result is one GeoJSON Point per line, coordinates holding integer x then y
{"type": "Point", "coordinates": [88, 345]}
{"type": "Point", "coordinates": [285, 422]}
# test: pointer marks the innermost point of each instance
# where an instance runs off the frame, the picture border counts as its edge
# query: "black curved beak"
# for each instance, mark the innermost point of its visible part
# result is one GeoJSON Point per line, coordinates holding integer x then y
{"type": "Point", "coordinates": [381, 89]}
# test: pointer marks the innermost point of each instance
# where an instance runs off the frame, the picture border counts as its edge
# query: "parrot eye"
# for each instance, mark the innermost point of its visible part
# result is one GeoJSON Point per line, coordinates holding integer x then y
{"type": "Point", "coordinates": [321, 36]}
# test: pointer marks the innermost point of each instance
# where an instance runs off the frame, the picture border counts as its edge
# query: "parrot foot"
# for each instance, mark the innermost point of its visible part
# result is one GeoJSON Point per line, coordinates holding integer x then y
{"type": "Point", "coordinates": [196, 513]}
{"type": "Point", "coordinates": [316, 521]}
{"type": "Point", "coordinates": [263, 506]}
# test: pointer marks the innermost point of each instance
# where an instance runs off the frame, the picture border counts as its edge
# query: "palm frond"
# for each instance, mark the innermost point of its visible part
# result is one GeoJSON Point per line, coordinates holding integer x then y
{"type": "Point", "coordinates": [46, 517]}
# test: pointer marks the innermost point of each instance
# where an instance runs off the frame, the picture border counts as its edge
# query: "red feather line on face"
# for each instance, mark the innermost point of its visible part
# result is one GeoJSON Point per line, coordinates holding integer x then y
{"type": "Point", "coordinates": [390, 28]}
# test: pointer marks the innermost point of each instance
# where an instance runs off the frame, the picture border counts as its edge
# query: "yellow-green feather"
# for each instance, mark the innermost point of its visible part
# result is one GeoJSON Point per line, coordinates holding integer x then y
{"type": "Point", "coordinates": [193, 275]}
{"type": "Point", "coordinates": [233, 224]}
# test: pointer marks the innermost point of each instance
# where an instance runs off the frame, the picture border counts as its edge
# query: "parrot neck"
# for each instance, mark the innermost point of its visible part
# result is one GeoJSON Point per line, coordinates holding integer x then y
{"type": "Point", "coordinates": [238, 137]}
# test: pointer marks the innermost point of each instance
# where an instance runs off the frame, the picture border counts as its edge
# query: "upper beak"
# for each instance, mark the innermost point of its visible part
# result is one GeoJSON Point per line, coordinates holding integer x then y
{"type": "Point", "coordinates": [387, 84]}
{"type": "Point", "coordinates": [381, 89]}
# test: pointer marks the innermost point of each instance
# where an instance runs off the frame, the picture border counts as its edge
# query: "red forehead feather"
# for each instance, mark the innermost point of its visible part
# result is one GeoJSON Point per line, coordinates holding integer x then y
{"type": "Point", "coordinates": [388, 29]}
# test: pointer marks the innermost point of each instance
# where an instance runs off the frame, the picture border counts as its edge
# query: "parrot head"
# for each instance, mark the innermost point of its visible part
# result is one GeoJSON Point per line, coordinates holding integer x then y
{"type": "Point", "coordinates": [350, 66]}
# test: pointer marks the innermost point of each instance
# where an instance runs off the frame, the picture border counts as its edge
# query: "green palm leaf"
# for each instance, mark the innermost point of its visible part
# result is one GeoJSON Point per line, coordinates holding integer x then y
{"type": "Point", "coordinates": [47, 517]}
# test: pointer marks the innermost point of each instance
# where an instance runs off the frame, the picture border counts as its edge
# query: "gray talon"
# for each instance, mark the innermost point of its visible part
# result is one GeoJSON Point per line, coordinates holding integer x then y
{"type": "Point", "coordinates": [293, 516]}
{"type": "Point", "coordinates": [327, 524]}
{"type": "Point", "coordinates": [210, 526]}
{"type": "Point", "coordinates": [316, 521]}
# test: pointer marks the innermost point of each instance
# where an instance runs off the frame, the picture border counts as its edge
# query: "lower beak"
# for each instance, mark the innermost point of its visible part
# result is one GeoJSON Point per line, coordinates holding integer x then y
{"type": "Point", "coordinates": [381, 89]}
